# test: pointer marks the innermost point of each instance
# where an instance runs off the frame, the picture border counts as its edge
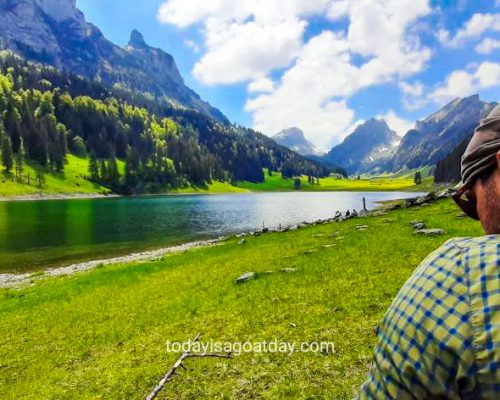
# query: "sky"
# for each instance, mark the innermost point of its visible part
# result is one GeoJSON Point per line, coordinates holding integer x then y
{"type": "Point", "coordinates": [324, 66]}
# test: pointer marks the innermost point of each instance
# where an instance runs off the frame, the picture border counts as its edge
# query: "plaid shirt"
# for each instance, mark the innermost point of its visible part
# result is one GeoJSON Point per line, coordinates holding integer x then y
{"type": "Point", "coordinates": [440, 337]}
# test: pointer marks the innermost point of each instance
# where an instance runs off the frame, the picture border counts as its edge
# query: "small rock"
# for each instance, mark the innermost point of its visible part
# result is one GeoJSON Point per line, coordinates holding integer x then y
{"type": "Point", "coordinates": [288, 269]}
{"type": "Point", "coordinates": [362, 227]}
{"type": "Point", "coordinates": [329, 246]}
{"type": "Point", "coordinates": [310, 251]}
{"type": "Point", "coordinates": [415, 222]}
{"type": "Point", "coordinates": [241, 235]}
{"type": "Point", "coordinates": [430, 232]}
{"type": "Point", "coordinates": [334, 234]}
{"type": "Point", "coordinates": [270, 272]}
{"type": "Point", "coordinates": [293, 325]}
{"type": "Point", "coordinates": [462, 215]}
{"type": "Point", "coordinates": [246, 277]}
{"type": "Point", "coordinates": [242, 241]}
{"type": "Point", "coordinates": [419, 226]}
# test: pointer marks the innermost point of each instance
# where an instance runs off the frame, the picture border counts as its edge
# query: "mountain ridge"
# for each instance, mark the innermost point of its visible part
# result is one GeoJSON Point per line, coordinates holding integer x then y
{"type": "Point", "coordinates": [367, 147]}
{"type": "Point", "coordinates": [55, 32]}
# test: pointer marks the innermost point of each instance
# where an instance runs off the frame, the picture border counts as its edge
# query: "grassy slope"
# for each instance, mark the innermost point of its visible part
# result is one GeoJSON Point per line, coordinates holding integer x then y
{"type": "Point", "coordinates": [276, 183]}
{"type": "Point", "coordinates": [102, 334]}
{"type": "Point", "coordinates": [72, 181]}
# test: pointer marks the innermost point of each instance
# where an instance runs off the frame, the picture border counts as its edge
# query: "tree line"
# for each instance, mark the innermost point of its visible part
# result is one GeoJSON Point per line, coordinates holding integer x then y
{"type": "Point", "coordinates": [45, 113]}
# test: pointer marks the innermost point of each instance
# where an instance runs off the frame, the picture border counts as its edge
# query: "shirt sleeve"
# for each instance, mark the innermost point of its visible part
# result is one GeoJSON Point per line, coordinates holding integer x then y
{"type": "Point", "coordinates": [424, 347]}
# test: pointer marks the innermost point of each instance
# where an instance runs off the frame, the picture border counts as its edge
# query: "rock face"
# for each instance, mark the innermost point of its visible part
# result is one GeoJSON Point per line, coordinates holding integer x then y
{"type": "Point", "coordinates": [294, 139]}
{"type": "Point", "coordinates": [55, 32]}
{"type": "Point", "coordinates": [368, 147]}
{"type": "Point", "coordinates": [439, 134]}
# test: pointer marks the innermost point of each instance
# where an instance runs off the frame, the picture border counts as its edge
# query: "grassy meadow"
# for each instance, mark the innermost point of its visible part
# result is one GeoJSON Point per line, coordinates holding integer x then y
{"type": "Point", "coordinates": [73, 182]}
{"type": "Point", "coordinates": [102, 334]}
{"type": "Point", "coordinates": [385, 183]}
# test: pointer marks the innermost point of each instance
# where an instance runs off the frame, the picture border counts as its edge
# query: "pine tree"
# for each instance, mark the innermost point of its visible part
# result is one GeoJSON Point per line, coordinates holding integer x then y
{"type": "Point", "coordinates": [113, 174]}
{"type": "Point", "coordinates": [7, 156]}
{"type": "Point", "coordinates": [40, 176]}
{"type": "Point", "coordinates": [93, 168]}
{"type": "Point", "coordinates": [19, 163]}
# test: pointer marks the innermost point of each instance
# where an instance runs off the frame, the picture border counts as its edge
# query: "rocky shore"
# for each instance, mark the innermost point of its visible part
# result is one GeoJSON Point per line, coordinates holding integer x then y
{"type": "Point", "coordinates": [16, 280]}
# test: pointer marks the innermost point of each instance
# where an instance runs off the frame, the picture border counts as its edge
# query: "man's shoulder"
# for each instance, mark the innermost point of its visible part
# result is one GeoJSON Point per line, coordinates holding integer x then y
{"type": "Point", "coordinates": [473, 242]}
{"type": "Point", "coordinates": [454, 249]}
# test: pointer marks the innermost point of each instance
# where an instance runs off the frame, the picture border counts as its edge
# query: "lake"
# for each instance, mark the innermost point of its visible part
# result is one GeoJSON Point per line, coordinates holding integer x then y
{"type": "Point", "coordinates": [35, 235]}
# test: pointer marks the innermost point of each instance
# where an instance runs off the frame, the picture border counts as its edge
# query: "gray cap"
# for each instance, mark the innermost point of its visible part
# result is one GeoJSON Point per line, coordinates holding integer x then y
{"type": "Point", "coordinates": [480, 155]}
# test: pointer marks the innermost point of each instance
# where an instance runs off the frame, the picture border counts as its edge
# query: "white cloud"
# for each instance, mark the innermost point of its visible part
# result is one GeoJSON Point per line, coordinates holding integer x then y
{"type": "Point", "coordinates": [487, 46]}
{"type": "Point", "coordinates": [241, 52]}
{"type": "Point", "coordinates": [473, 29]}
{"type": "Point", "coordinates": [413, 95]}
{"type": "Point", "coordinates": [400, 125]}
{"type": "Point", "coordinates": [191, 44]}
{"type": "Point", "coordinates": [248, 39]}
{"type": "Point", "coordinates": [262, 85]}
{"type": "Point", "coordinates": [463, 83]}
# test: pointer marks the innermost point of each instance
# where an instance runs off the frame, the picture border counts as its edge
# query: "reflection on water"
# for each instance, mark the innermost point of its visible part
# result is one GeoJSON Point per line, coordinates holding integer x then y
{"type": "Point", "coordinates": [41, 234]}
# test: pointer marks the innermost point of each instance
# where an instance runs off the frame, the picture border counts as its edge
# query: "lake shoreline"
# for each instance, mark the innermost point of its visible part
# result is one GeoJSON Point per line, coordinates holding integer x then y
{"type": "Point", "coordinates": [13, 280]}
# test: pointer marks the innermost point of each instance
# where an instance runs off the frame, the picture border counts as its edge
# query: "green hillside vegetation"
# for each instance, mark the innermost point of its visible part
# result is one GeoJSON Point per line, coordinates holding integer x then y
{"type": "Point", "coordinates": [46, 115]}
{"type": "Point", "coordinates": [102, 334]}
{"type": "Point", "coordinates": [72, 181]}
{"type": "Point", "coordinates": [336, 183]}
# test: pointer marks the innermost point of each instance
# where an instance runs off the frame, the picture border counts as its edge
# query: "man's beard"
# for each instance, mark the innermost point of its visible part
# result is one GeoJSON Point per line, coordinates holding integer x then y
{"type": "Point", "coordinates": [492, 223]}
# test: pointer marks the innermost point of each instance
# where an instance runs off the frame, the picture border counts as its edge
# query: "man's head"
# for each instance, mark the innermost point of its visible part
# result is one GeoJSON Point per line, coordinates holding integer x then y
{"type": "Point", "coordinates": [479, 196]}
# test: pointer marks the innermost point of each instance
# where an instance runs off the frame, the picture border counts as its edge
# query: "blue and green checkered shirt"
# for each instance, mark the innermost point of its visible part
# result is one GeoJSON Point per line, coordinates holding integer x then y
{"type": "Point", "coordinates": [440, 337]}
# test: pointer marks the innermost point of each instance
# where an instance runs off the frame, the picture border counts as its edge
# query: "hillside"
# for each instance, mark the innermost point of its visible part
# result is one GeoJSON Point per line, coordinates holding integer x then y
{"type": "Point", "coordinates": [55, 32]}
{"type": "Point", "coordinates": [47, 115]}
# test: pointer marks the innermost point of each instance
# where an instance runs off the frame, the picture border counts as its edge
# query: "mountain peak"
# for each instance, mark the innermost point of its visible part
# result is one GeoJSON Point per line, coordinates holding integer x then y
{"type": "Point", "coordinates": [137, 40]}
{"type": "Point", "coordinates": [370, 144]}
{"type": "Point", "coordinates": [294, 139]}
{"type": "Point", "coordinates": [59, 10]}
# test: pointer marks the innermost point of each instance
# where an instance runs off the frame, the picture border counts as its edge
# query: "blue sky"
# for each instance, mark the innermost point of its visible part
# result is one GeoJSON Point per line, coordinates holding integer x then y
{"type": "Point", "coordinates": [321, 65]}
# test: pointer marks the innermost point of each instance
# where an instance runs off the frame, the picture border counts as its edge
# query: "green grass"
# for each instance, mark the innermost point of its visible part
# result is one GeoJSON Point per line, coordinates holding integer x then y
{"type": "Point", "coordinates": [214, 187]}
{"type": "Point", "coordinates": [277, 183]}
{"type": "Point", "coordinates": [102, 334]}
{"type": "Point", "coordinates": [72, 181]}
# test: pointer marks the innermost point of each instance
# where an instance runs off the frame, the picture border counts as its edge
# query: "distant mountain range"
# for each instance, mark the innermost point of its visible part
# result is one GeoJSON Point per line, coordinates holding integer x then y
{"type": "Point", "coordinates": [55, 32]}
{"type": "Point", "coordinates": [373, 147]}
{"type": "Point", "coordinates": [370, 146]}
{"type": "Point", "coordinates": [294, 139]}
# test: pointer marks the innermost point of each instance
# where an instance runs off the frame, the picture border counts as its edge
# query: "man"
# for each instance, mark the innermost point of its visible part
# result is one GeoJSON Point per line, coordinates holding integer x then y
{"type": "Point", "coordinates": [440, 338]}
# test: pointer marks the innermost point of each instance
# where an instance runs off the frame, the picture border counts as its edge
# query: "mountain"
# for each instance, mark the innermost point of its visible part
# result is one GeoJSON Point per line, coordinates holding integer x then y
{"type": "Point", "coordinates": [294, 139]}
{"type": "Point", "coordinates": [369, 146]}
{"type": "Point", "coordinates": [55, 32]}
{"type": "Point", "coordinates": [439, 134]}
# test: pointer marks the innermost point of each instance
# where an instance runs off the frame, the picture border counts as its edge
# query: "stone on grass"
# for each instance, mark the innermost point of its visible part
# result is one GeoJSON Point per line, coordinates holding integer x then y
{"type": "Point", "coordinates": [328, 246]}
{"type": "Point", "coordinates": [310, 251]}
{"type": "Point", "coordinates": [242, 241]}
{"type": "Point", "coordinates": [419, 226]}
{"type": "Point", "coordinates": [246, 277]}
{"type": "Point", "coordinates": [288, 269]}
{"type": "Point", "coordinates": [430, 232]}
